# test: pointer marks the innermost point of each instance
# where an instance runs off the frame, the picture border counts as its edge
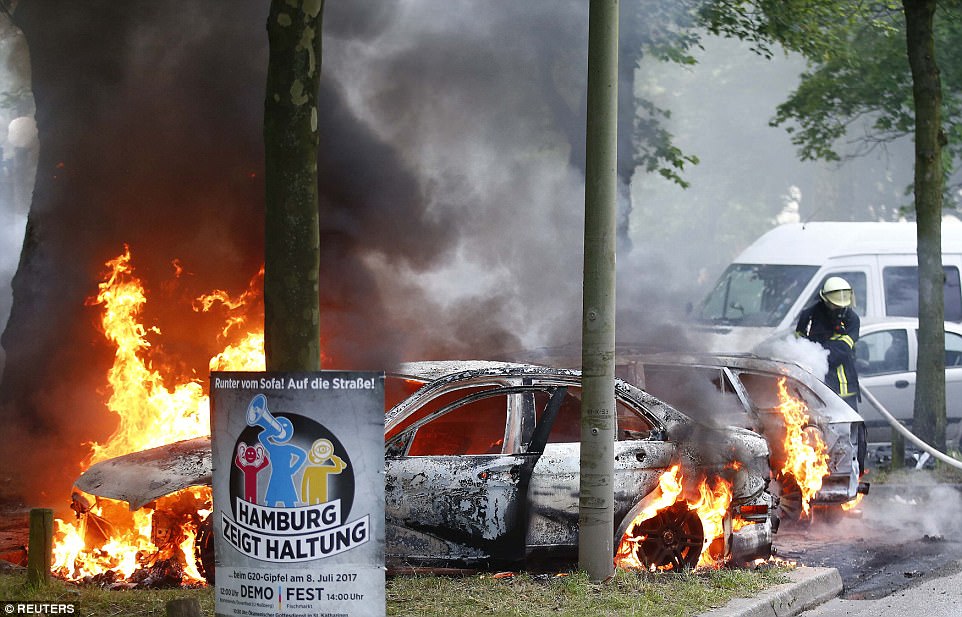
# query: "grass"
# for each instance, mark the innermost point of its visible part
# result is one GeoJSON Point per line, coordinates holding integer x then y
{"type": "Point", "coordinates": [627, 593]}
{"type": "Point", "coordinates": [95, 601]}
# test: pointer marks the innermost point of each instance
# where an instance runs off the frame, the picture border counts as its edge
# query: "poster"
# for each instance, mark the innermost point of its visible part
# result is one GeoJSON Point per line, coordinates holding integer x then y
{"type": "Point", "coordinates": [298, 494]}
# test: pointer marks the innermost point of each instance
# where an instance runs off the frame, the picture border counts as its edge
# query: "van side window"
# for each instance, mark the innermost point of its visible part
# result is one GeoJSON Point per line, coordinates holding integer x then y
{"type": "Point", "coordinates": [856, 280]}
{"type": "Point", "coordinates": [902, 292]}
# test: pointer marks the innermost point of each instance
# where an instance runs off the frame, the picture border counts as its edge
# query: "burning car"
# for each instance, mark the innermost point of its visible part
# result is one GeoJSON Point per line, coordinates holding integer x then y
{"type": "Point", "coordinates": [818, 442]}
{"type": "Point", "coordinates": [482, 470]}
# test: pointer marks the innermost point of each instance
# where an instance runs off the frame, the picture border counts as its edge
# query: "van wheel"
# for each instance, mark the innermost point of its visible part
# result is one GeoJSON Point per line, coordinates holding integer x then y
{"type": "Point", "coordinates": [670, 540]}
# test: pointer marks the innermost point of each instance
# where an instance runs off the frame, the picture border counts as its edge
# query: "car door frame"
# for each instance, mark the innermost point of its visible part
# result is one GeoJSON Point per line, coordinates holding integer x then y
{"type": "Point", "coordinates": [479, 505]}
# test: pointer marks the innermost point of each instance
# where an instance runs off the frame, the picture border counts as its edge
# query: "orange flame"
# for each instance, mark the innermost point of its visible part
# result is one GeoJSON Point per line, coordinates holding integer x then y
{"type": "Point", "coordinates": [114, 543]}
{"type": "Point", "coordinates": [710, 504]}
{"type": "Point", "coordinates": [150, 414]}
{"type": "Point", "coordinates": [805, 453]}
{"type": "Point", "coordinates": [238, 308]}
{"type": "Point", "coordinates": [851, 505]}
{"type": "Point", "coordinates": [712, 508]}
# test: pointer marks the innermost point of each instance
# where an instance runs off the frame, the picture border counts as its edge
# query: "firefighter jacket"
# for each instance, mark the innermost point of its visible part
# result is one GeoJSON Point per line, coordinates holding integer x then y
{"type": "Point", "coordinates": [837, 331]}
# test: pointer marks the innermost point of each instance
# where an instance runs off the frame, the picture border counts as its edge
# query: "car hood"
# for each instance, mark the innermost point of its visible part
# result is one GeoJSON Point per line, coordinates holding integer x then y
{"type": "Point", "coordinates": [141, 477]}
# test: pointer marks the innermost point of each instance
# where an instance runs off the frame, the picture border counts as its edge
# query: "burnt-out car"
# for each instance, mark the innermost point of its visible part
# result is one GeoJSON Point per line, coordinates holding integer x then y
{"type": "Point", "coordinates": [482, 471]}
{"type": "Point", "coordinates": [482, 468]}
{"type": "Point", "coordinates": [743, 389]}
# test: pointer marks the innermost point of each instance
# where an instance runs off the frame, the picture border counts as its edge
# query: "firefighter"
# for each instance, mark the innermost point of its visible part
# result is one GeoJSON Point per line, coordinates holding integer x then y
{"type": "Point", "coordinates": [833, 323]}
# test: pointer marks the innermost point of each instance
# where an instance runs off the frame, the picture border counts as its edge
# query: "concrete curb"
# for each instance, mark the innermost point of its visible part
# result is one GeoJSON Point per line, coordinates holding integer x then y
{"type": "Point", "coordinates": [809, 587]}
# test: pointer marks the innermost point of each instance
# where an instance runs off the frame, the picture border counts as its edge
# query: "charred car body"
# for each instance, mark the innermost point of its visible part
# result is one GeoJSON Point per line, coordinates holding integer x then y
{"type": "Point", "coordinates": [742, 389]}
{"type": "Point", "coordinates": [482, 470]}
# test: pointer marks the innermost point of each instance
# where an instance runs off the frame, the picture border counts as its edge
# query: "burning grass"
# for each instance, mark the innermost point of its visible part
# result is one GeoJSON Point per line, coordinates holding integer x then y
{"type": "Point", "coordinates": [628, 593]}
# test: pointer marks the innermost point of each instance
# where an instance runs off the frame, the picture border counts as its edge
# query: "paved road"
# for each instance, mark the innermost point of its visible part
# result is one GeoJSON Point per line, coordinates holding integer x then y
{"type": "Point", "coordinates": [903, 535]}
{"type": "Point", "coordinates": [899, 556]}
{"type": "Point", "coordinates": [933, 597]}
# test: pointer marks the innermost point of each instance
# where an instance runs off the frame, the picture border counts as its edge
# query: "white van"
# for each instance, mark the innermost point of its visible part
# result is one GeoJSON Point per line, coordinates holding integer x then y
{"type": "Point", "coordinates": [770, 282]}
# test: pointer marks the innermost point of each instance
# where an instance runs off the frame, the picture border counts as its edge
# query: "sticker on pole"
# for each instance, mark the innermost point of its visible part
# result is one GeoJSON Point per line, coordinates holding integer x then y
{"type": "Point", "coordinates": [298, 493]}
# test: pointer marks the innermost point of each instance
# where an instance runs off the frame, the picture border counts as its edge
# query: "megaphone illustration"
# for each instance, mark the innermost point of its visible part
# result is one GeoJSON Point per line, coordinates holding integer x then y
{"type": "Point", "coordinates": [258, 415]}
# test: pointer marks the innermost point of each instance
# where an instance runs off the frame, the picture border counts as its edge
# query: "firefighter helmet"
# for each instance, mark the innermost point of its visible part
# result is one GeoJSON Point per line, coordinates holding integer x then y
{"type": "Point", "coordinates": [836, 292]}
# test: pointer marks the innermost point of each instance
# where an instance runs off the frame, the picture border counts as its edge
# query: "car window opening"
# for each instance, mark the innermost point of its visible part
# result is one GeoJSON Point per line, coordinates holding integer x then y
{"type": "Point", "coordinates": [476, 427]}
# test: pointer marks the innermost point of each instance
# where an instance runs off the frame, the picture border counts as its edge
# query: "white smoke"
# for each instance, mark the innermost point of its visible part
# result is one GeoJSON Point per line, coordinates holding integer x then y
{"type": "Point", "coordinates": [22, 132]}
{"type": "Point", "coordinates": [787, 347]}
{"type": "Point", "coordinates": [17, 162]}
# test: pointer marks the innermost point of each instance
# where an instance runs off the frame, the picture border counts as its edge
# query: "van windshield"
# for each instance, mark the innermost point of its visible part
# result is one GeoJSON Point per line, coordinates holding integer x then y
{"type": "Point", "coordinates": [754, 294]}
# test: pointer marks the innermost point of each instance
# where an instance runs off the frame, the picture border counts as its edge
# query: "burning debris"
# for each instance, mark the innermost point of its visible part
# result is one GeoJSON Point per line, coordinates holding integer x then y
{"type": "Point", "coordinates": [156, 546]}
{"type": "Point", "coordinates": [141, 535]}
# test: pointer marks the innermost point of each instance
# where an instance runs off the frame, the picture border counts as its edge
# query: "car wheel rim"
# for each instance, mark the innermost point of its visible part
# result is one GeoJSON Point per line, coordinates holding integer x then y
{"type": "Point", "coordinates": [672, 539]}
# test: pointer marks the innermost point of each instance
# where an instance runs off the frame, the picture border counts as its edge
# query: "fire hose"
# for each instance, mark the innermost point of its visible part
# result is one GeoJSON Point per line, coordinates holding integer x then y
{"type": "Point", "coordinates": [948, 460]}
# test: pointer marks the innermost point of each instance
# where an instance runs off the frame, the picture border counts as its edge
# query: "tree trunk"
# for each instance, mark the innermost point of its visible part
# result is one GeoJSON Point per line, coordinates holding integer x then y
{"type": "Point", "coordinates": [291, 242]}
{"type": "Point", "coordinates": [929, 418]}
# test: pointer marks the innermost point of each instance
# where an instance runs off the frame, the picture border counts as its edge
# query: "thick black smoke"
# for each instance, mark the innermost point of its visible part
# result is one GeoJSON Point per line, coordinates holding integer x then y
{"type": "Point", "coordinates": [451, 189]}
{"type": "Point", "coordinates": [451, 213]}
{"type": "Point", "coordinates": [147, 117]}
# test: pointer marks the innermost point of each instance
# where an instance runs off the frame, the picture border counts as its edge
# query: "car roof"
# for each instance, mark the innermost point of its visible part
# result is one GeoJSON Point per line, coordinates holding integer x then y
{"type": "Point", "coordinates": [431, 370]}
{"type": "Point", "coordinates": [881, 323]}
{"type": "Point", "coordinates": [841, 412]}
{"type": "Point", "coordinates": [437, 372]}
{"type": "Point", "coordinates": [730, 359]}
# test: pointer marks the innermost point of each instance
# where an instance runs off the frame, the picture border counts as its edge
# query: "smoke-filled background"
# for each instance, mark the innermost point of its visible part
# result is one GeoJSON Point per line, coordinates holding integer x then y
{"type": "Point", "coordinates": [451, 188]}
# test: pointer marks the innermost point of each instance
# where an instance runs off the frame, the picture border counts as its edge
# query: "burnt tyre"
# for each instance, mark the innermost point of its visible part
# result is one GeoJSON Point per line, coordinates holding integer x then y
{"type": "Point", "coordinates": [670, 540]}
{"type": "Point", "coordinates": [204, 549]}
{"type": "Point", "coordinates": [789, 494]}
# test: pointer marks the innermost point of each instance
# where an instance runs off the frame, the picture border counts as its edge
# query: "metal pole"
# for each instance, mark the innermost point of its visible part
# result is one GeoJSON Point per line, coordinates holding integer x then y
{"type": "Point", "coordinates": [596, 506]}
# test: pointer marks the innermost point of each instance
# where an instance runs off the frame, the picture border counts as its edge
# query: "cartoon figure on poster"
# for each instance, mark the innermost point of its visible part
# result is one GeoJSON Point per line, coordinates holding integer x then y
{"type": "Point", "coordinates": [285, 459]}
{"type": "Point", "coordinates": [250, 460]}
{"type": "Point", "coordinates": [323, 463]}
